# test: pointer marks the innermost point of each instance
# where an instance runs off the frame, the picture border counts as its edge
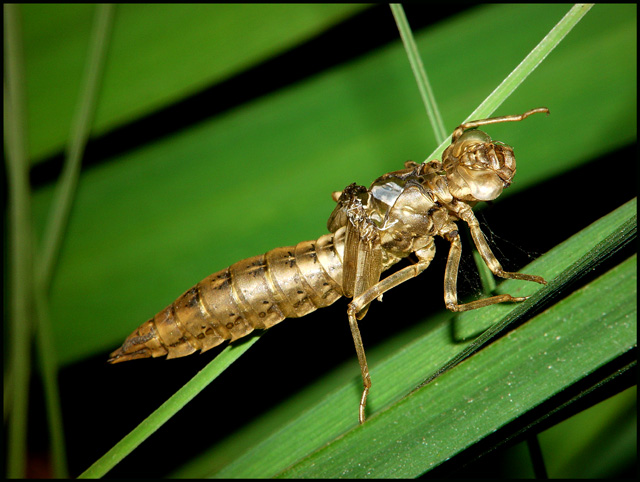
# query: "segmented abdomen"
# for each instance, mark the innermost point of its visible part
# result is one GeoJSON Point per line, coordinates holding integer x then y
{"type": "Point", "coordinates": [256, 292]}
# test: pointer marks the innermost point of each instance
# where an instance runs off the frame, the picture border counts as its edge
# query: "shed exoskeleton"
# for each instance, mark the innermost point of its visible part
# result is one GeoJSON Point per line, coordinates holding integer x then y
{"type": "Point", "coordinates": [370, 231]}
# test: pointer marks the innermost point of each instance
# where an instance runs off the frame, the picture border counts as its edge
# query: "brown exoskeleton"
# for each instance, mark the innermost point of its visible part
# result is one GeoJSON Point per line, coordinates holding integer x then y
{"type": "Point", "coordinates": [370, 231]}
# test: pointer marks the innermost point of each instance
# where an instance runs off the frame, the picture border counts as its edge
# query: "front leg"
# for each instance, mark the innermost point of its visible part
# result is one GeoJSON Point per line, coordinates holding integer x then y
{"type": "Point", "coordinates": [451, 281]}
{"type": "Point", "coordinates": [465, 213]}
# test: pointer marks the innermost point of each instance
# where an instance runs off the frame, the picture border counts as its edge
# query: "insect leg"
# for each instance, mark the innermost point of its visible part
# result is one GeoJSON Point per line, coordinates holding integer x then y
{"type": "Point", "coordinates": [361, 267]}
{"type": "Point", "coordinates": [451, 281]}
{"type": "Point", "coordinates": [489, 258]}
{"type": "Point", "coordinates": [453, 261]}
{"type": "Point", "coordinates": [362, 360]}
{"type": "Point", "coordinates": [361, 301]}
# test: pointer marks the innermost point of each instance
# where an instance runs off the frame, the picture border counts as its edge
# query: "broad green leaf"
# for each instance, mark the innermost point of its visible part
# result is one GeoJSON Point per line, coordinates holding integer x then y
{"type": "Point", "coordinates": [158, 55]}
{"type": "Point", "coordinates": [603, 438]}
{"type": "Point", "coordinates": [473, 400]}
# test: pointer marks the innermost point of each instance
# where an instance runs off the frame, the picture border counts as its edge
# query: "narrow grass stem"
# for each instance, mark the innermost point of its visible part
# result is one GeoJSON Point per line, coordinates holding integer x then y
{"type": "Point", "coordinates": [20, 279]}
{"type": "Point", "coordinates": [66, 188]}
{"type": "Point", "coordinates": [58, 221]}
{"type": "Point", "coordinates": [168, 409]}
{"type": "Point", "coordinates": [419, 72]}
{"type": "Point", "coordinates": [524, 68]}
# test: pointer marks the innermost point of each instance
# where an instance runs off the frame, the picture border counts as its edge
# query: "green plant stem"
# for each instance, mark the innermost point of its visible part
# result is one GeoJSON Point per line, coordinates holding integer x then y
{"type": "Point", "coordinates": [419, 72]}
{"type": "Point", "coordinates": [537, 459]}
{"type": "Point", "coordinates": [56, 227]}
{"type": "Point", "coordinates": [524, 69]}
{"type": "Point", "coordinates": [87, 101]}
{"type": "Point", "coordinates": [20, 241]}
{"type": "Point", "coordinates": [49, 369]}
{"type": "Point", "coordinates": [168, 409]}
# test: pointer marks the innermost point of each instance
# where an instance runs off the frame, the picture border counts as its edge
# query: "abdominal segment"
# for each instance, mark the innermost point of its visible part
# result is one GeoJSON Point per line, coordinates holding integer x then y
{"type": "Point", "coordinates": [255, 293]}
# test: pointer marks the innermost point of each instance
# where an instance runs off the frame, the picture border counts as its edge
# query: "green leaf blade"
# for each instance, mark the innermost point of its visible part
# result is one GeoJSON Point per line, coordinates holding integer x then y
{"type": "Point", "coordinates": [157, 57]}
{"type": "Point", "coordinates": [477, 397]}
{"type": "Point", "coordinates": [167, 410]}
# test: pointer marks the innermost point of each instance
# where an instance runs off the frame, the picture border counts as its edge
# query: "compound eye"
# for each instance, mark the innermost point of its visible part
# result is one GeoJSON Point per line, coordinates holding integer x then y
{"type": "Point", "coordinates": [474, 136]}
{"type": "Point", "coordinates": [470, 138]}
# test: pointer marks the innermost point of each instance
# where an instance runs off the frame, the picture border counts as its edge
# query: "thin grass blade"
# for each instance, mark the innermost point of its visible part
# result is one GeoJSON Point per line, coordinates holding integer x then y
{"type": "Point", "coordinates": [81, 126]}
{"type": "Point", "coordinates": [419, 72]}
{"type": "Point", "coordinates": [20, 257]}
{"type": "Point", "coordinates": [524, 69]}
{"type": "Point", "coordinates": [168, 409]}
{"type": "Point", "coordinates": [56, 227]}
